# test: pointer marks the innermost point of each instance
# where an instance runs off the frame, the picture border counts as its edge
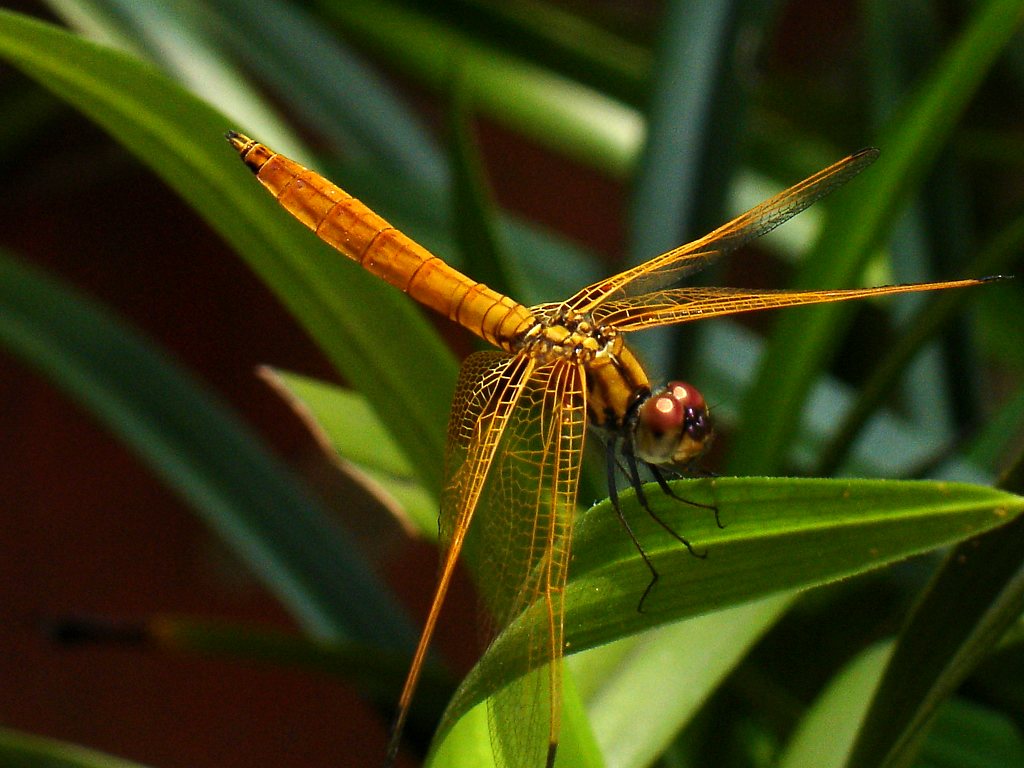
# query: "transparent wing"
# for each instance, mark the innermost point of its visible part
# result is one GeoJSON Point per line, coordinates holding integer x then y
{"type": "Point", "coordinates": [525, 517]}
{"type": "Point", "coordinates": [672, 266]}
{"type": "Point", "coordinates": [678, 305]}
{"type": "Point", "coordinates": [490, 384]}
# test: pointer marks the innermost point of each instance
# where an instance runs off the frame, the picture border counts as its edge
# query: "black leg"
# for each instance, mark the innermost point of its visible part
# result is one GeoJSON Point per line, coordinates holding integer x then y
{"type": "Point", "coordinates": [660, 477]}
{"type": "Point", "coordinates": [634, 471]}
{"type": "Point", "coordinates": [613, 493]}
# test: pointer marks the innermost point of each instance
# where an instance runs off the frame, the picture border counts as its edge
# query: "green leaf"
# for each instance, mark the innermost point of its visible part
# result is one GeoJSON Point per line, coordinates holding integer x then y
{"type": "Point", "coordinates": [969, 735]}
{"type": "Point", "coordinates": [803, 338]}
{"type": "Point", "coordinates": [203, 451]}
{"type": "Point", "coordinates": [557, 38]}
{"type": "Point", "coordinates": [347, 427]}
{"type": "Point", "coordinates": [475, 222]}
{"type": "Point", "coordinates": [21, 750]}
{"type": "Point", "coordinates": [175, 35]}
{"type": "Point", "coordinates": [468, 743]}
{"type": "Point", "coordinates": [693, 120]}
{"type": "Point", "coordinates": [372, 333]}
{"type": "Point", "coordinates": [375, 671]}
{"type": "Point", "coordinates": [669, 190]}
{"type": "Point", "coordinates": [936, 312]}
{"type": "Point", "coordinates": [780, 534]}
{"type": "Point", "coordinates": [826, 732]}
{"type": "Point", "coordinates": [328, 88]}
{"type": "Point", "coordinates": [675, 668]}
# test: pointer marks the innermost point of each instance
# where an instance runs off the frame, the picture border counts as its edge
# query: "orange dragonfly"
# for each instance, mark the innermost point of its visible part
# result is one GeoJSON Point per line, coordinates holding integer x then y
{"type": "Point", "coordinates": [520, 413]}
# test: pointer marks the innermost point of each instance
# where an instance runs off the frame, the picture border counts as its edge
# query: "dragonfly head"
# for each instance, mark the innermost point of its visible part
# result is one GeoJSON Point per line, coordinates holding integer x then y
{"type": "Point", "coordinates": [673, 426]}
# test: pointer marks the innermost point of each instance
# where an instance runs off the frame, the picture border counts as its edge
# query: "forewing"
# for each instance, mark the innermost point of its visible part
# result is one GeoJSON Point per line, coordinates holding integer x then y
{"type": "Point", "coordinates": [525, 517]}
{"type": "Point", "coordinates": [679, 305]}
{"type": "Point", "coordinates": [670, 267]}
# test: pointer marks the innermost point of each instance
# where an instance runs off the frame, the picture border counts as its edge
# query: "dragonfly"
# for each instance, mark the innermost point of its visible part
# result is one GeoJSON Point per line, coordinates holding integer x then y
{"type": "Point", "coordinates": [521, 411]}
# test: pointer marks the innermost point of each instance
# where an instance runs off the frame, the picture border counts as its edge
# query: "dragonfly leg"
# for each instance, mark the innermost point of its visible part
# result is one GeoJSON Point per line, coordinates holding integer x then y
{"type": "Point", "coordinates": [611, 456]}
{"type": "Point", "coordinates": [667, 489]}
{"type": "Point", "coordinates": [634, 478]}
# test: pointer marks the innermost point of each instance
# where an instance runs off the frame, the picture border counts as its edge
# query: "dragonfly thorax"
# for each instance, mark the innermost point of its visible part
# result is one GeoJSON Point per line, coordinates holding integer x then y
{"type": "Point", "coordinates": [558, 334]}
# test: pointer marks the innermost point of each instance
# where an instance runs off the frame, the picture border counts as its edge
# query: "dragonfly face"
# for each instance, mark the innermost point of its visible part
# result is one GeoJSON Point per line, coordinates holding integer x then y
{"type": "Point", "coordinates": [520, 413]}
{"type": "Point", "coordinates": [672, 426]}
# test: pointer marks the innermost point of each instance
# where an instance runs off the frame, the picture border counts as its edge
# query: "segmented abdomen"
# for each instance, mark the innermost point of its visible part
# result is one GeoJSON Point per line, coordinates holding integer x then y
{"type": "Point", "coordinates": [352, 228]}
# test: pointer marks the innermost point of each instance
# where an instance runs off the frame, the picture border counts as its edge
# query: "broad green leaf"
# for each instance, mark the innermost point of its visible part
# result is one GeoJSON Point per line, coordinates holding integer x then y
{"type": "Point", "coordinates": [203, 451]}
{"type": "Point", "coordinates": [371, 333]}
{"type": "Point", "coordinates": [780, 534]}
{"type": "Point", "coordinates": [22, 750]}
{"type": "Point", "coordinates": [802, 339]}
{"type": "Point", "coordinates": [468, 743]}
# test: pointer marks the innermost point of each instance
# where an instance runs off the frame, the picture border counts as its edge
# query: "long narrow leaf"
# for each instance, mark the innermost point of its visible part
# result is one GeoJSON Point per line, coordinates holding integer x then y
{"type": "Point", "coordinates": [977, 594]}
{"type": "Point", "coordinates": [328, 87]}
{"type": "Point", "coordinates": [171, 36]}
{"type": "Point", "coordinates": [673, 169]}
{"type": "Point", "coordinates": [993, 259]}
{"type": "Point", "coordinates": [780, 534]}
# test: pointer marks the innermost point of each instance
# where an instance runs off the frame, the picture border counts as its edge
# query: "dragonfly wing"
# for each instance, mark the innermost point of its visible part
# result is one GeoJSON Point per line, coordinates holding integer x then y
{"type": "Point", "coordinates": [679, 305]}
{"type": "Point", "coordinates": [524, 521]}
{"type": "Point", "coordinates": [489, 387]}
{"type": "Point", "coordinates": [490, 384]}
{"type": "Point", "coordinates": [672, 266]}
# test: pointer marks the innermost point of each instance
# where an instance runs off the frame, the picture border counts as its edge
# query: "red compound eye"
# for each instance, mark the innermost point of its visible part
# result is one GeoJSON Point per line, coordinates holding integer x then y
{"type": "Point", "coordinates": [663, 413]}
{"type": "Point", "coordinates": [685, 394]}
{"type": "Point", "coordinates": [672, 426]}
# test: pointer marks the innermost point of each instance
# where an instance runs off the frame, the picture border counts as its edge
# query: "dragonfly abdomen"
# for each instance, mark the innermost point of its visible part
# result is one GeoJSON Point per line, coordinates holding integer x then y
{"type": "Point", "coordinates": [352, 228]}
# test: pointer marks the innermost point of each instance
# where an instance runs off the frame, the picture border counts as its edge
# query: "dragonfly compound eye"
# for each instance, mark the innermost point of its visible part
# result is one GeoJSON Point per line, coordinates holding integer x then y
{"type": "Point", "coordinates": [673, 426]}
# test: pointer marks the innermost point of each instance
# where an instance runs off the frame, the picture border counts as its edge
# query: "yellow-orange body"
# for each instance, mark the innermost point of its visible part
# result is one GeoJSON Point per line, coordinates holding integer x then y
{"type": "Point", "coordinates": [366, 238]}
